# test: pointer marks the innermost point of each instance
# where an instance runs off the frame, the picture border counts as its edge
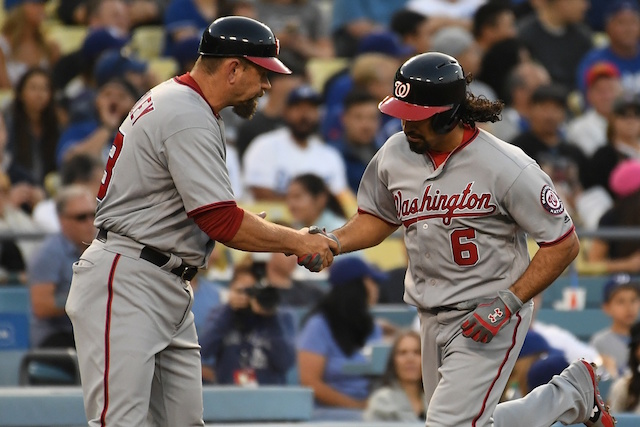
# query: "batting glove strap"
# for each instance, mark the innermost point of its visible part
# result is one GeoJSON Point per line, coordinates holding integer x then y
{"type": "Point", "coordinates": [510, 300]}
{"type": "Point", "coordinates": [314, 229]}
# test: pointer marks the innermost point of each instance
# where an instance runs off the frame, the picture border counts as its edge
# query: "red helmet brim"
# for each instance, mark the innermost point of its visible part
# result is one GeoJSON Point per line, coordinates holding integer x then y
{"type": "Point", "coordinates": [270, 63]}
{"type": "Point", "coordinates": [411, 112]}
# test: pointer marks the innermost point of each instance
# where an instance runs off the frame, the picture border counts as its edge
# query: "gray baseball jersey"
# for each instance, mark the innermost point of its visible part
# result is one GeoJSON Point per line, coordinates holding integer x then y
{"type": "Point", "coordinates": [167, 163]}
{"type": "Point", "coordinates": [465, 222]}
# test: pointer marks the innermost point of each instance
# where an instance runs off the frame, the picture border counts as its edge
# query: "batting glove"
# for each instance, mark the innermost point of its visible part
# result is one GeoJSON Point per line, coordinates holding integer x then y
{"type": "Point", "coordinates": [487, 319]}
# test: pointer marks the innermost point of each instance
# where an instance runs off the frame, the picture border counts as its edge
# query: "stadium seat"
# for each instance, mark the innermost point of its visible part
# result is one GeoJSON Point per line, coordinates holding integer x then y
{"type": "Point", "coordinates": [68, 37]}
{"type": "Point", "coordinates": [321, 69]}
{"type": "Point", "coordinates": [148, 41]}
{"type": "Point", "coordinates": [163, 68]}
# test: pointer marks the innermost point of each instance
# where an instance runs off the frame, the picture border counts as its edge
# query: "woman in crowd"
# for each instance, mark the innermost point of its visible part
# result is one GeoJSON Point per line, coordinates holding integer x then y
{"type": "Point", "coordinates": [625, 392]}
{"type": "Point", "coordinates": [401, 397]}
{"type": "Point", "coordinates": [311, 203]}
{"type": "Point", "coordinates": [22, 41]}
{"type": "Point", "coordinates": [620, 255]}
{"type": "Point", "coordinates": [33, 132]}
{"type": "Point", "coordinates": [335, 333]}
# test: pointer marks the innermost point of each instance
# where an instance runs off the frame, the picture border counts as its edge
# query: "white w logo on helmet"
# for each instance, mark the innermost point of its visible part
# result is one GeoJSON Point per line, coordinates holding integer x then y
{"type": "Point", "coordinates": [402, 89]}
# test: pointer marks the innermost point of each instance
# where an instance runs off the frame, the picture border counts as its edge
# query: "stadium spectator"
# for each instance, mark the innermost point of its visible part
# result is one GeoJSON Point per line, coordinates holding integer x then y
{"type": "Point", "coordinates": [113, 102]}
{"type": "Point", "coordinates": [459, 43]}
{"type": "Point", "coordinates": [207, 295]}
{"type": "Point", "coordinates": [50, 270]}
{"type": "Point", "coordinates": [493, 22]}
{"type": "Point", "coordinates": [588, 131]}
{"type": "Point", "coordinates": [354, 19]}
{"type": "Point", "coordinates": [413, 29]}
{"type": "Point", "coordinates": [622, 26]}
{"type": "Point", "coordinates": [79, 169]}
{"type": "Point", "coordinates": [625, 392]}
{"type": "Point", "coordinates": [115, 64]}
{"type": "Point", "coordinates": [184, 19]}
{"type": "Point", "coordinates": [623, 142]}
{"type": "Point", "coordinates": [544, 142]}
{"type": "Point", "coordinates": [33, 129]}
{"type": "Point", "coordinates": [620, 255]}
{"type": "Point", "coordinates": [499, 61]}
{"type": "Point", "coordinates": [23, 44]}
{"type": "Point", "coordinates": [335, 334]}
{"type": "Point", "coordinates": [269, 114]}
{"type": "Point", "coordinates": [299, 25]}
{"type": "Point", "coordinates": [274, 158]}
{"type": "Point", "coordinates": [251, 340]}
{"type": "Point", "coordinates": [523, 80]}
{"type": "Point", "coordinates": [621, 302]}
{"type": "Point", "coordinates": [310, 202]}
{"type": "Point", "coordinates": [238, 7]}
{"type": "Point", "coordinates": [361, 123]}
{"type": "Point", "coordinates": [279, 270]}
{"type": "Point", "coordinates": [557, 38]}
{"type": "Point", "coordinates": [400, 397]}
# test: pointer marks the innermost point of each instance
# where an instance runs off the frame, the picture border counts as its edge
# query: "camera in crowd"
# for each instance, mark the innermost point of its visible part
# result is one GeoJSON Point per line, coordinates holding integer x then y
{"type": "Point", "coordinates": [265, 295]}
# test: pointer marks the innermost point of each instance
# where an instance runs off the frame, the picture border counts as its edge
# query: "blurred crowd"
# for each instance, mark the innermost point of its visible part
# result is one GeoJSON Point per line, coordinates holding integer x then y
{"type": "Point", "coordinates": [568, 72]}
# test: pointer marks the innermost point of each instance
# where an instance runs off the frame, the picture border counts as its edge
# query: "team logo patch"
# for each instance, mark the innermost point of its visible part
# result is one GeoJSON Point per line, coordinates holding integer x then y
{"type": "Point", "coordinates": [402, 89]}
{"type": "Point", "coordinates": [550, 201]}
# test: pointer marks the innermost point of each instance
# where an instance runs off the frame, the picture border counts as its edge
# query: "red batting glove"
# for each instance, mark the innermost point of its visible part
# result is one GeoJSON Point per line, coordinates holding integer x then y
{"type": "Point", "coordinates": [487, 319]}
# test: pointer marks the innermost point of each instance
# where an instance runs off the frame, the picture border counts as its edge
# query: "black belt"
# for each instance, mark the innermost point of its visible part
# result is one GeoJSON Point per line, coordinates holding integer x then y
{"type": "Point", "coordinates": [184, 271]}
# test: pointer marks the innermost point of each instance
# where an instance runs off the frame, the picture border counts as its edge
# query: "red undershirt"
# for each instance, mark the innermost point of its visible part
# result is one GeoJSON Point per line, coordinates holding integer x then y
{"type": "Point", "coordinates": [439, 158]}
{"type": "Point", "coordinates": [221, 221]}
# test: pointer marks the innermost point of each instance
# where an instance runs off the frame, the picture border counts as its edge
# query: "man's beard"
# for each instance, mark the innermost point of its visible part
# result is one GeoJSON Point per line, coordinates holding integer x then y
{"type": "Point", "coordinates": [246, 109]}
{"type": "Point", "coordinates": [303, 130]}
{"type": "Point", "coordinates": [420, 147]}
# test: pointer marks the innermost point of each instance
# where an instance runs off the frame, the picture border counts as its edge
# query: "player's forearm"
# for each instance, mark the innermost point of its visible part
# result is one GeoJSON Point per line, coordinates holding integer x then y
{"type": "Point", "coordinates": [258, 235]}
{"type": "Point", "coordinates": [545, 267]}
{"type": "Point", "coordinates": [363, 231]}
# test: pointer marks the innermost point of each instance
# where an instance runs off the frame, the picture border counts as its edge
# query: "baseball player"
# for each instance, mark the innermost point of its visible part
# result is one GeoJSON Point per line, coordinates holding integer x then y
{"type": "Point", "coordinates": [165, 199]}
{"type": "Point", "coordinates": [467, 201]}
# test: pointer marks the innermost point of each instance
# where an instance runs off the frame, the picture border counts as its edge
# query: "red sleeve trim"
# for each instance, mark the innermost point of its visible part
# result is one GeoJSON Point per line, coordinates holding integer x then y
{"type": "Point", "coordinates": [220, 223]}
{"type": "Point", "coordinates": [555, 242]}
{"type": "Point", "coordinates": [362, 211]}
{"type": "Point", "coordinates": [210, 206]}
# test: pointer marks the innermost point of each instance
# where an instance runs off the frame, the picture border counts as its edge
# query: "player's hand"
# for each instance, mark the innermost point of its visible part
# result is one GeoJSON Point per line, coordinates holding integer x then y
{"type": "Point", "coordinates": [319, 249]}
{"type": "Point", "coordinates": [487, 319]}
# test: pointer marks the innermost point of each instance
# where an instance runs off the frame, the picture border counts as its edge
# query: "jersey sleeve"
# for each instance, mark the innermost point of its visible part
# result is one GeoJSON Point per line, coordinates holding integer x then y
{"type": "Point", "coordinates": [536, 207]}
{"type": "Point", "coordinates": [260, 162]}
{"type": "Point", "coordinates": [373, 195]}
{"type": "Point", "coordinates": [196, 161]}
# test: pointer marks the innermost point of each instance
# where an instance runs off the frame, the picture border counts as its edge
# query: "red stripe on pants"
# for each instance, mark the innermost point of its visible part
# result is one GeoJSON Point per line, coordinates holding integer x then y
{"type": "Point", "coordinates": [107, 331]}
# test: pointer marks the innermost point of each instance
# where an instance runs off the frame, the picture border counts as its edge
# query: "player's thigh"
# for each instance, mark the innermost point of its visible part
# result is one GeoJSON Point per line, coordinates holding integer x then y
{"type": "Point", "coordinates": [176, 395]}
{"type": "Point", "coordinates": [474, 375]}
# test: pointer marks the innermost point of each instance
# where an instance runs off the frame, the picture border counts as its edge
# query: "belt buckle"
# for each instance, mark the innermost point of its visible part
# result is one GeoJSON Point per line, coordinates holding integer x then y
{"type": "Point", "coordinates": [189, 273]}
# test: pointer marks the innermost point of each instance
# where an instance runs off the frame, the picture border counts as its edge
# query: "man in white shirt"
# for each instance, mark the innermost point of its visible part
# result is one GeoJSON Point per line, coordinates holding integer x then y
{"type": "Point", "coordinates": [274, 158]}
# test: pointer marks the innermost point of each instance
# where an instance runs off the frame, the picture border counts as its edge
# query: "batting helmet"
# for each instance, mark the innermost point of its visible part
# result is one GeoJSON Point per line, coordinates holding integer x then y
{"type": "Point", "coordinates": [428, 85]}
{"type": "Point", "coordinates": [243, 37]}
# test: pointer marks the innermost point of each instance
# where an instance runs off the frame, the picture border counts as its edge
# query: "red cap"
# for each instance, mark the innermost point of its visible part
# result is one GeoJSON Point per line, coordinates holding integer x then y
{"type": "Point", "coordinates": [271, 63]}
{"type": "Point", "coordinates": [601, 69]}
{"type": "Point", "coordinates": [410, 112]}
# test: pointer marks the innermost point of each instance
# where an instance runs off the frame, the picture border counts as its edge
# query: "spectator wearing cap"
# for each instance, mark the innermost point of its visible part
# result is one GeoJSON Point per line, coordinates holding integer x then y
{"type": "Point", "coordinates": [625, 392]}
{"type": "Point", "coordinates": [413, 29]}
{"type": "Point", "coordinates": [335, 333]}
{"type": "Point", "coordinates": [620, 255]}
{"type": "Point", "coordinates": [269, 114]}
{"type": "Point", "coordinates": [23, 43]}
{"type": "Point", "coordinates": [94, 137]}
{"type": "Point", "coordinates": [493, 22]}
{"type": "Point", "coordinates": [352, 20]}
{"type": "Point", "coordinates": [588, 131]}
{"type": "Point", "coordinates": [621, 302]}
{"type": "Point", "coordinates": [459, 43]}
{"type": "Point", "coordinates": [300, 26]}
{"type": "Point", "coordinates": [114, 64]}
{"type": "Point", "coordinates": [184, 19]}
{"type": "Point", "coordinates": [274, 158]}
{"type": "Point", "coordinates": [622, 26]}
{"type": "Point", "coordinates": [557, 38]}
{"type": "Point", "coordinates": [623, 142]}
{"type": "Point", "coordinates": [545, 143]}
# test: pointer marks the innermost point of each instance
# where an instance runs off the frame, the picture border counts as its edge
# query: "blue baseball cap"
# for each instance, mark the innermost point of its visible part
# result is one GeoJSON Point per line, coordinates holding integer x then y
{"type": "Point", "coordinates": [542, 370]}
{"type": "Point", "coordinates": [113, 64]}
{"type": "Point", "coordinates": [617, 6]}
{"type": "Point", "coordinates": [304, 93]}
{"type": "Point", "coordinates": [616, 283]}
{"type": "Point", "coordinates": [534, 343]}
{"type": "Point", "coordinates": [384, 42]}
{"type": "Point", "coordinates": [352, 268]}
{"type": "Point", "coordinates": [100, 40]}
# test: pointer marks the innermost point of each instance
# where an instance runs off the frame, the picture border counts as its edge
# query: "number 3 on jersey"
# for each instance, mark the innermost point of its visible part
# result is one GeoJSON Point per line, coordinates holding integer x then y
{"type": "Point", "coordinates": [464, 250]}
{"type": "Point", "coordinates": [114, 152]}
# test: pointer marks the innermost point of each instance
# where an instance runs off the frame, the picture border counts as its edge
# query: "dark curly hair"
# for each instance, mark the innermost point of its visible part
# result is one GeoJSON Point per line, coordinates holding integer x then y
{"type": "Point", "coordinates": [479, 109]}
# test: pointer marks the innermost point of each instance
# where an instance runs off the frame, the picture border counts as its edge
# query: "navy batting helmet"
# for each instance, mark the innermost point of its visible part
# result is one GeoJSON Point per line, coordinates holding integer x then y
{"type": "Point", "coordinates": [243, 37]}
{"type": "Point", "coordinates": [428, 85]}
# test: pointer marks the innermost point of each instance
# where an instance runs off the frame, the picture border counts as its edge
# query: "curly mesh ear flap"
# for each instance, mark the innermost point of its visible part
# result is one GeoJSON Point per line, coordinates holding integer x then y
{"type": "Point", "coordinates": [447, 120]}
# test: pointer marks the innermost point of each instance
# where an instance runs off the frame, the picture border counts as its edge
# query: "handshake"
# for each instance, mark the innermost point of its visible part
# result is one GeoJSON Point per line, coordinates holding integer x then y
{"type": "Point", "coordinates": [321, 252]}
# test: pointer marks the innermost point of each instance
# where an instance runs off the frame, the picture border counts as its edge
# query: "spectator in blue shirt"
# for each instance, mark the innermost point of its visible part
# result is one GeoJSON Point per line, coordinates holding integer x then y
{"type": "Point", "coordinates": [50, 270]}
{"type": "Point", "coordinates": [249, 338]}
{"type": "Point", "coordinates": [336, 332]}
